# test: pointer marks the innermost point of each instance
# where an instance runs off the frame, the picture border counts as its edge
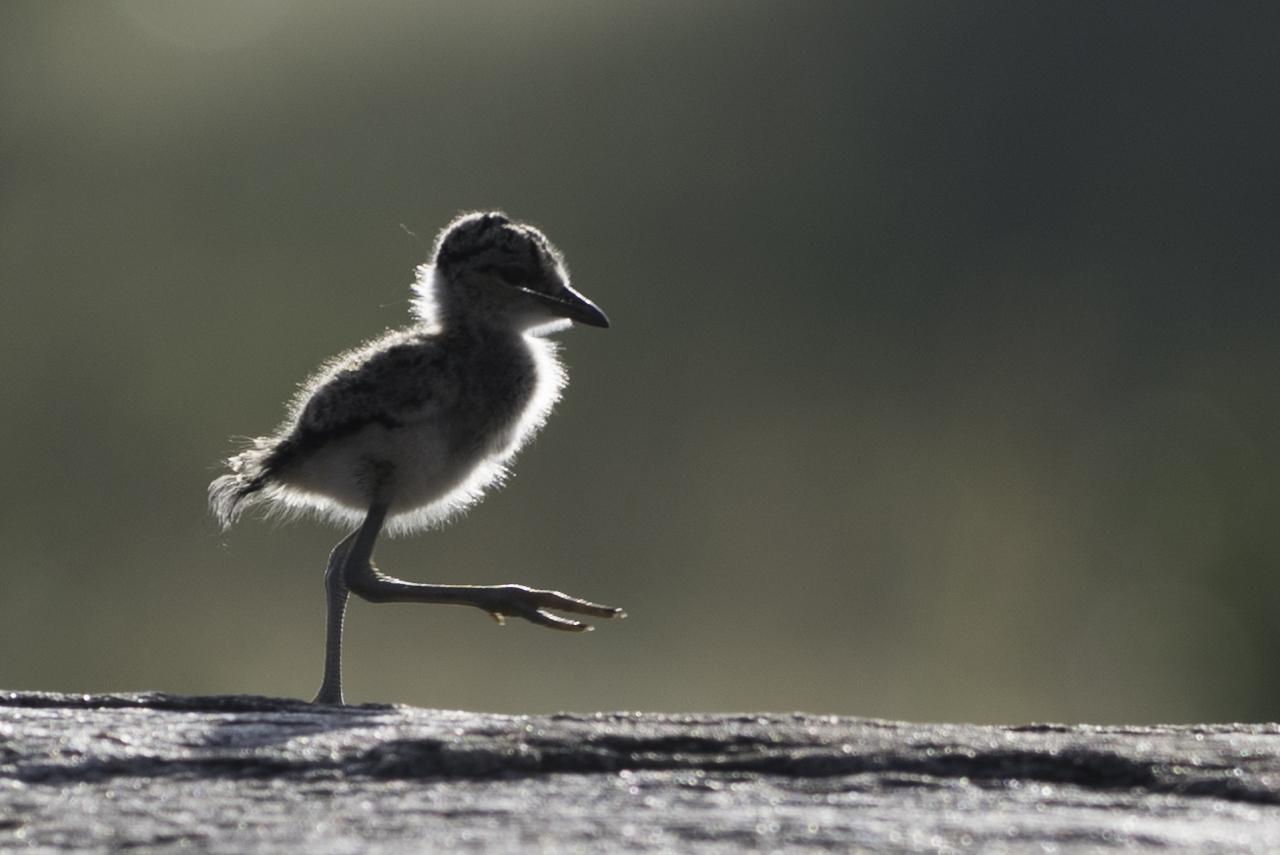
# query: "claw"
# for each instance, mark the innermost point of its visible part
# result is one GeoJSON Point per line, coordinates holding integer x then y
{"type": "Point", "coordinates": [564, 624]}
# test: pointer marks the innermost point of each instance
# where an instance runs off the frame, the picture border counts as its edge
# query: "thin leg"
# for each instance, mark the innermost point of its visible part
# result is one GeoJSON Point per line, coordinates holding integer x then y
{"type": "Point", "coordinates": [351, 569]}
{"type": "Point", "coordinates": [336, 590]}
{"type": "Point", "coordinates": [500, 601]}
{"type": "Point", "coordinates": [369, 583]}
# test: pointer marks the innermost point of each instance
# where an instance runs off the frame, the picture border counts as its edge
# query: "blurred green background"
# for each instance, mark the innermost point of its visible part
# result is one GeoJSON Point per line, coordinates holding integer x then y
{"type": "Point", "coordinates": [944, 379]}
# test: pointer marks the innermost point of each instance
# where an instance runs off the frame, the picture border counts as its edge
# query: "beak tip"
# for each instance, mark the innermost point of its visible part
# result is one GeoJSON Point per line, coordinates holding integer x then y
{"type": "Point", "coordinates": [589, 313]}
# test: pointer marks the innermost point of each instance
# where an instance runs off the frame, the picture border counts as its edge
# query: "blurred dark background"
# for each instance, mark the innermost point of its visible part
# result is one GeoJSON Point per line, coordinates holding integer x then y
{"type": "Point", "coordinates": [943, 382]}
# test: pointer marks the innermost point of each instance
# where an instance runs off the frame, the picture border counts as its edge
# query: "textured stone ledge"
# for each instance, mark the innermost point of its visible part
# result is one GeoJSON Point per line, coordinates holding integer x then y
{"type": "Point", "coordinates": [235, 774]}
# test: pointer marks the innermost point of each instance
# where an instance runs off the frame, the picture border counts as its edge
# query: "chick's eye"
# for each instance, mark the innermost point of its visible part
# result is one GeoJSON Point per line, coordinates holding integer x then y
{"type": "Point", "coordinates": [513, 274]}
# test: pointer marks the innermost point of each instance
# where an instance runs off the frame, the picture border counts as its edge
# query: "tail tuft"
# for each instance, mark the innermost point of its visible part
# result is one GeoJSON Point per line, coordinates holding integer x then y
{"type": "Point", "coordinates": [226, 496]}
{"type": "Point", "coordinates": [229, 495]}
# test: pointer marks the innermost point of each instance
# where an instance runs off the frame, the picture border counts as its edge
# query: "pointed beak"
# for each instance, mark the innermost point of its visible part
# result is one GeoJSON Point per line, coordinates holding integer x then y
{"type": "Point", "coordinates": [572, 305]}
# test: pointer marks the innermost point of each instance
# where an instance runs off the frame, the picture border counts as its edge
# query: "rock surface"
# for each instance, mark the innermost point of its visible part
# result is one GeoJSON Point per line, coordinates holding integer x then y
{"type": "Point", "coordinates": [245, 774]}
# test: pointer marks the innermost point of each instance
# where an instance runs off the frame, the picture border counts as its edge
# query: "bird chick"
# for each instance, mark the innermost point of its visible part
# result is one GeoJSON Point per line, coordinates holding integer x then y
{"type": "Point", "coordinates": [411, 428]}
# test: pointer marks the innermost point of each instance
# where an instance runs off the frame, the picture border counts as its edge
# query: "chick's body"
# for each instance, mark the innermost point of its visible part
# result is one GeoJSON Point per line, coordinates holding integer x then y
{"type": "Point", "coordinates": [422, 419]}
